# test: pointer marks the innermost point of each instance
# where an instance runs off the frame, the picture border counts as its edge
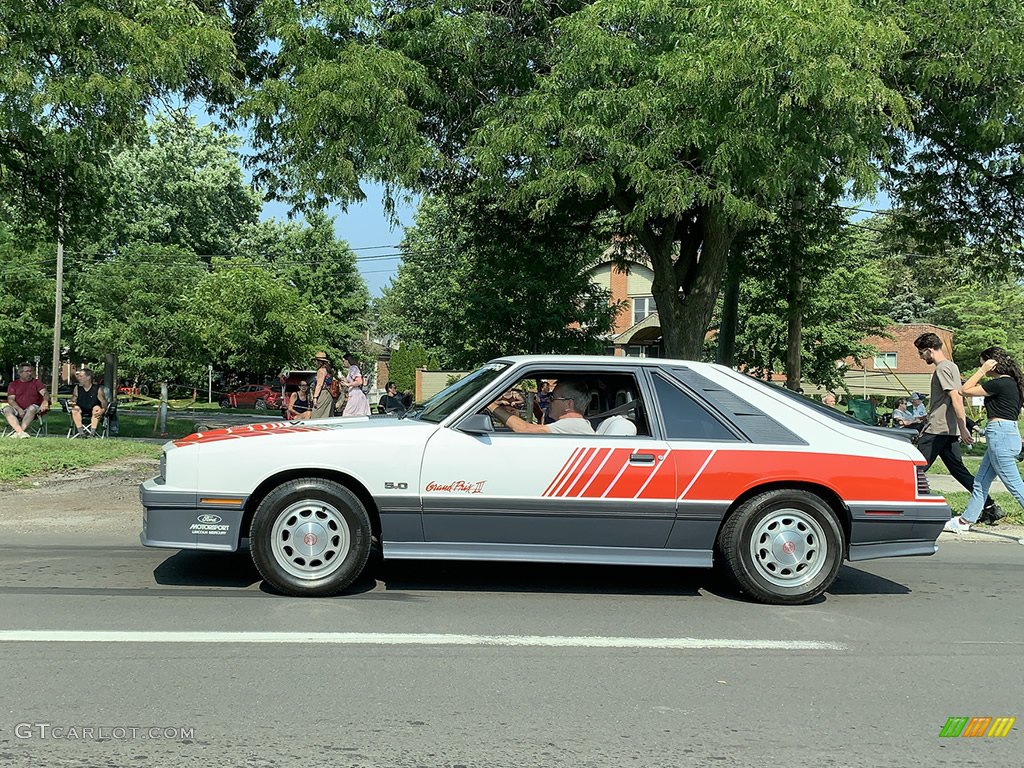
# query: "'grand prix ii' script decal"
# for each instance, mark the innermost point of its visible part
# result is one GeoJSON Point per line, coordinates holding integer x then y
{"type": "Point", "coordinates": [456, 486]}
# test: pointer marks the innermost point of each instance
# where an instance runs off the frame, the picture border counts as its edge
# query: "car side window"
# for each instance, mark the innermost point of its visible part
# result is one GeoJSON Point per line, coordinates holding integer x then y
{"type": "Point", "coordinates": [684, 418]}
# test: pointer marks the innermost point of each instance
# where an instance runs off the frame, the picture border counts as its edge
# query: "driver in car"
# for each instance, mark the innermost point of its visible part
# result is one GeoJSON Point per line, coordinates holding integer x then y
{"type": "Point", "coordinates": [568, 405]}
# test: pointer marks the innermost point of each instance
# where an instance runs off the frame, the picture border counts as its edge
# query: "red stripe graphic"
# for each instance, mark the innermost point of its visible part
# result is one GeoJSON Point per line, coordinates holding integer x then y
{"type": "Point", "coordinates": [574, 470]}
{"type": "Point", "coordinates": [561, 472]}
{"type": "Point", "coordinates": [635, 477]}
{"type": "Point", "coordinates": [661, 484]}
{"type": "Point", "coordinates": [605, 475]}
{"type": "Point", "coordinates": [588, 471]}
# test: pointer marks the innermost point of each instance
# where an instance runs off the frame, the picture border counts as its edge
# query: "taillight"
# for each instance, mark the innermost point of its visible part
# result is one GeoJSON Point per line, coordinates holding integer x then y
{"type": "Point", "coordinates": [922, 481]}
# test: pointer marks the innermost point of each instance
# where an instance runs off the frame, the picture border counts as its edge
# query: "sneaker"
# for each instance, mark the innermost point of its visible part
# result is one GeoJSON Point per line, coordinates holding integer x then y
{"type": "Point", "coordinates": [90, 432]}
{"type": "Point", "coordinates": [957, 525]}
{"type": "Point", "coordinates": [992, 514]}
{"type": "Point", "coordinates": [20, 435]}
{"type": "Point", "coordinates": [82, 432]}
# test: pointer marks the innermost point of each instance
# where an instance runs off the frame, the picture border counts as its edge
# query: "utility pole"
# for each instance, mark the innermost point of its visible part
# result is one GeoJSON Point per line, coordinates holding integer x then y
{"type": "Point", "coordinates": [58, 308]}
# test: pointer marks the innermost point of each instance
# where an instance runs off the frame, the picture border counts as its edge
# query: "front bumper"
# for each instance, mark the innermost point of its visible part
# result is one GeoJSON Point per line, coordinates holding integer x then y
{"type": "Point", "coordinates": [177, 519]}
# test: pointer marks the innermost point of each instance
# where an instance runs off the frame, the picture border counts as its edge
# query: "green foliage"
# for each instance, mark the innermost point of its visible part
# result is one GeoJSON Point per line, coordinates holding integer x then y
{"type": "Point", "coordinates": [182, 187]}
{"type": "Point", "coordinates": [477, 283]}
{"type": "Point", "coordinates": [981, 315]}
{"type": "Point", "coordinates": [323, 271]}
{"type": "Point", "coordinates": [138, 305]}
{"type": "Point", "coordinates": [404, 362]}
{"type": "Point", "coordinates": [843, 301]}
{"type": "Point", "coordinates": [77, 79]}
{"type": "Point", "coordinates": [27, 286]}
{"type": "Point", "coordinates": [959, 178]}
{"type": "Point", "coordinates": [248, 320]}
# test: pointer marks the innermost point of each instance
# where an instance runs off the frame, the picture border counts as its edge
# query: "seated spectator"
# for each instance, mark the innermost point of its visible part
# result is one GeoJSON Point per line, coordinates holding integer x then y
{"type": "Point", "coordinates": [299, 405]}
{"type": "Point", "coordinates": [902, 417]}
{"type": "Point", "coordinates": [88, 398]}
{"type": "Point", "coordinates": [829, 400]}
{"type": "Point", "coordinates": [27, 398]}
{"type": "Point", "coordinates": [391, 401]}
{"type": "Point", "coordinates": [917, 408]}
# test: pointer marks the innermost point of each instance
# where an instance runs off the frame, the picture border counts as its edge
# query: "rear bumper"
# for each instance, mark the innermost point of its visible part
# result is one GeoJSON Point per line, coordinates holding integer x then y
{"type": "Point", "coordinates": [177, 519]}
{"type": "Point", "coordinates": [896, 530]}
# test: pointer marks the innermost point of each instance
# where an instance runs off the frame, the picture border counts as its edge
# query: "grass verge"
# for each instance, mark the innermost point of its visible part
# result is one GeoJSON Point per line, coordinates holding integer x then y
{"type": "Point", "coordinates": [24, 458]}
{"type": "Point", "coordinates": [1014, 514]}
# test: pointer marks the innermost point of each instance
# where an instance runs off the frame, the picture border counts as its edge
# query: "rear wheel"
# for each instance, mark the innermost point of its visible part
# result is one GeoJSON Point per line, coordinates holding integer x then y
{"type": "Point", "coordinates": [782, 547]}
{"type": "Point", "coordinates": [225, 402]}
{"type": "Point", "coordinates": [261, 404]}
{"type": "Point", "coordinates": [310, 537]}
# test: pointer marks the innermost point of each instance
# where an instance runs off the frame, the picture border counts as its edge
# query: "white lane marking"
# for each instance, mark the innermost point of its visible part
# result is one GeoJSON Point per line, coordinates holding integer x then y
{"type": "Point", "coordinates": [383, 638]}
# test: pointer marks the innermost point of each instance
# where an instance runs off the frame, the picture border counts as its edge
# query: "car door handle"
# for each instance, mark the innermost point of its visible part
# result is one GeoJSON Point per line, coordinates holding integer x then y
{"type": "Point", "coordinates": [643, 459]}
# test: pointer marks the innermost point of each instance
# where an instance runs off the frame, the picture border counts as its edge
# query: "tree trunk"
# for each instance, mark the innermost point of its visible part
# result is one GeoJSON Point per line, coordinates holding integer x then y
{"type": "Point", "coordinates": [730, 308]}
{"type": "Point", "coordinates": [685, 290]}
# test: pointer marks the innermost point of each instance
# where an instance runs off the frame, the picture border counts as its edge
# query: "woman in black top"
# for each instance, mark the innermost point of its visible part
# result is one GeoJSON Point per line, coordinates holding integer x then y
{"type": "Point", "coordinates": [1003, 393]}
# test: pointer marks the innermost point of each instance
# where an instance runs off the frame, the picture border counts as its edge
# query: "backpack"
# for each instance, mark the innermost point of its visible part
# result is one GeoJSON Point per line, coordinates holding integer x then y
{"type": "Point", "coordinates": [334, 388]}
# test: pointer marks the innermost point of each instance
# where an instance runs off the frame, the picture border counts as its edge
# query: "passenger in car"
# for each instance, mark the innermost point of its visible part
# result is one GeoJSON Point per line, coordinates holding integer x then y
{"type": "Point", "coordinates": [567, 412]}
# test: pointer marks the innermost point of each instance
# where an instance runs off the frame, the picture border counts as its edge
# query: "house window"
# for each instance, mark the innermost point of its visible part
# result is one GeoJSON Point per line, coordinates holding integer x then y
{"type": "Point", "coordinates": [885, 361]}
{"type": "Point", "coordinates": [642, 307]}
{"type": "Point", "coordinates": [641, 350]}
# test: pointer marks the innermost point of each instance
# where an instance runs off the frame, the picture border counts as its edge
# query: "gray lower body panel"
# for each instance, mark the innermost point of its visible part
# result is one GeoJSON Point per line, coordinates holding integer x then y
{"type": "Point", "coordinates": [541, 553]}
{"type": "Point", "coordinates": [895, 530]}
{"type": "Point", "coordinates": [173, 519]}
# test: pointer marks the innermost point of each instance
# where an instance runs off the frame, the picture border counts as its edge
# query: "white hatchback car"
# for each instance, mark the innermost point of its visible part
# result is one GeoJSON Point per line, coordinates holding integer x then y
{"type": "Point", "coordinates": [690, 463]}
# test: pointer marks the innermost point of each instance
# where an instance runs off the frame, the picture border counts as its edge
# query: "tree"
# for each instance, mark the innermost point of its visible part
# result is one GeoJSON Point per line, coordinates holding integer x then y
{"type": "Point", "coordinates": [249, 320]}
{"type": "Point", "coordinates": [691, 120]}
{"type": "Point", "coordinates": [404, 362]}
{"type": "Point", "coordinates": [959, 178]}
{"type": "Point", "coordinates": [476, 283]}
{"type": "Point", "coordinates": [982, 314]}
{"type": "Point", "coordinates": [138, 305]}
{"type": "Point", "coordinates": [322, 269]}
{"type": "Point", "coordinates": [181, 187]}
{"type": "Point", "coordinates": [77, 79]}
{"type": "Point", "coordinates": [26, 298]}
{"type": "Point", "coordinates": [842, 302]}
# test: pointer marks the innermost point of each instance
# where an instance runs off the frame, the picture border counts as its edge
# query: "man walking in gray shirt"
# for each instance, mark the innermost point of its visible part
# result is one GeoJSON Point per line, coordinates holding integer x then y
{"type": "Point", "coordinates": [946, 423]}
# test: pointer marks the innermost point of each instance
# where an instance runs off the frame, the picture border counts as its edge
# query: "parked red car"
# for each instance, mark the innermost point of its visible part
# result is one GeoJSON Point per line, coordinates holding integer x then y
{"type": "Point", "coordinates": [258, 396]}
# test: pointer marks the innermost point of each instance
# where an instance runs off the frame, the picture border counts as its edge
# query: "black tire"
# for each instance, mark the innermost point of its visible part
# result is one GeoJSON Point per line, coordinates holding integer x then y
{"type": "Point", "coordinates": [225, 402]}
{"type": "Point", "coordinates": [261, 404]}
{"type": "Point", "coordinates": [782, 547]}
{"type": "Point", "coordinates": [336, 542]}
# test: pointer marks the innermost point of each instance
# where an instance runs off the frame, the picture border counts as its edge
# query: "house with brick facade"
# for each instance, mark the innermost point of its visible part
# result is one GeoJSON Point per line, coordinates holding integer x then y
{"type": "Point", "coordinates": [636, 332]}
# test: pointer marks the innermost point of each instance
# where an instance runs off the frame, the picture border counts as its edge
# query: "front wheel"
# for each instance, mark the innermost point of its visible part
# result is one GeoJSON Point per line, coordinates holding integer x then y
{"type": "Point", "coordinates": [782, 547]}
{"type": "Point", "coordinates": [261, 405]}
{"type": "Point", "coordinates": [310, 537]}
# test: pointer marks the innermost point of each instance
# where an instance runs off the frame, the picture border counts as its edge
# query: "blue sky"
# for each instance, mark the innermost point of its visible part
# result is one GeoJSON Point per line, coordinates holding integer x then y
{"type": "Point", "coordinates": [367, 231]}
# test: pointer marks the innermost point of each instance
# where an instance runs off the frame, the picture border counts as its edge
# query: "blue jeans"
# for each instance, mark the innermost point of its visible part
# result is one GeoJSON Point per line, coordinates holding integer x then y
{"type": "Point", "coordinates": [1000, 459]}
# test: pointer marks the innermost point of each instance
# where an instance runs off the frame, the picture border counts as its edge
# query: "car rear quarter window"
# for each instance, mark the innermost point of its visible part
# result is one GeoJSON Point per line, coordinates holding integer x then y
{"type": "Point", "coordinates": [684, 418]}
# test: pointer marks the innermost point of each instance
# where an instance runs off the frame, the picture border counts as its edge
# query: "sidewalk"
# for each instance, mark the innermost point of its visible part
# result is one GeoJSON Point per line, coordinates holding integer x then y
{"type": "Point", "coordinates": [947, 483]}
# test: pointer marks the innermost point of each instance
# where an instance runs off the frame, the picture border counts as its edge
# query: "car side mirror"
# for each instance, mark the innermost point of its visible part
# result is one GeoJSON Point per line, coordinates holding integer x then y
{"type": "Point", "coordinates": [477, 424]}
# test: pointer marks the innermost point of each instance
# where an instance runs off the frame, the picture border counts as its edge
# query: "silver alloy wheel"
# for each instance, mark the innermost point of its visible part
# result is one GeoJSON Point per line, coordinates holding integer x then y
{"type": "Point", "coordinates": [788, 548]}
{"type": "Point", "coordinates": [310, 539]}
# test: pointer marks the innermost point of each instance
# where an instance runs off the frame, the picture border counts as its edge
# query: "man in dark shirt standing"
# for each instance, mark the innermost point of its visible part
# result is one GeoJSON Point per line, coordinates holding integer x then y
{"type": "Point", "coordinates": [946, 423]}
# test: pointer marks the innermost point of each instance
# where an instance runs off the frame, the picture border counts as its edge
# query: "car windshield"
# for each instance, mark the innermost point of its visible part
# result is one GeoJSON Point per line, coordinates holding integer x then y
{"type": "Point", "coordinates": [451, 398]}
{"type": "Point", "coordinates": [818, 406]}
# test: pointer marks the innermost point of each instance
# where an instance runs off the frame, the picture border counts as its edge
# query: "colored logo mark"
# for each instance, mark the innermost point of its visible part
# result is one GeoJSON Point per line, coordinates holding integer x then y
{"type": "Point", "coordinates": [977, 727]}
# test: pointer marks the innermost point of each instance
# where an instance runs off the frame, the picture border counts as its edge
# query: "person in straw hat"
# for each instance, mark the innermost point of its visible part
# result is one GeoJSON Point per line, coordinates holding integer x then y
{"type": "Point", "coordinates": [322, 402]}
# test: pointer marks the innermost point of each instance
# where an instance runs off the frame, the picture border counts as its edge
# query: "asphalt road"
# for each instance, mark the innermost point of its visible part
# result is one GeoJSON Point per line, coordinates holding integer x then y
{"type": "Point", "coordinates": [882, 661]}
